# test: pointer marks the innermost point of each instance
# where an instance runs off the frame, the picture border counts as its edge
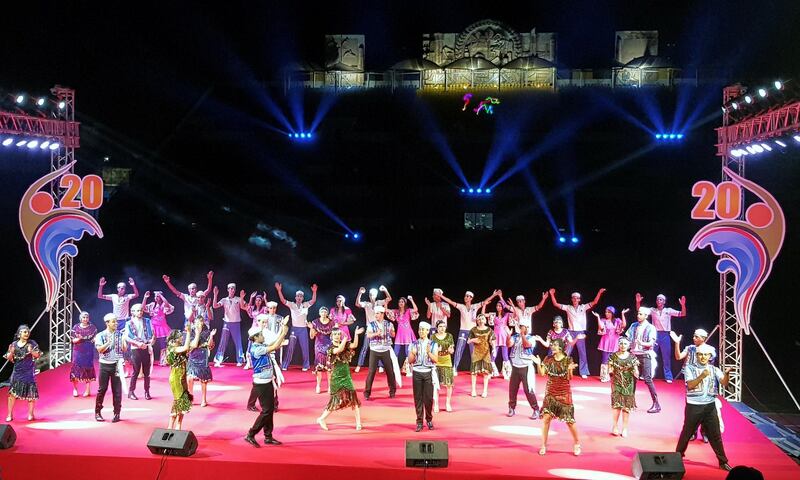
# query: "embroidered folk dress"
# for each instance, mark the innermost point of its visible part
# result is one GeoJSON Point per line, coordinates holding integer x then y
{"type": "Point", "coordinates": [83, 353]}
{"type": "Point", "coordinates": [558, 394]}
{"type": "Point", "coordinates": [482, 353]}
{"type": "Point", "coordinates": [23, 383]}
{"type": "Point", "coordinates": [182, 399]}
{"type": "Point", "coordinates": [623, 382]}
{"type": "Point", "coordinates": [343, 393]}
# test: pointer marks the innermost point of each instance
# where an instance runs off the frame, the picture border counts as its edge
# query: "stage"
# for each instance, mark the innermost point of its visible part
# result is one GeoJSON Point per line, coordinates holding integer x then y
{"type": "Point", "coordinates": [66, 441]}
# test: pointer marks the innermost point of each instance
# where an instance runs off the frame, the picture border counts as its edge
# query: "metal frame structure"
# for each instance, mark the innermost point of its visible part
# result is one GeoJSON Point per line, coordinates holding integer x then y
{"type": "Point", "coordinates": [775, 122]}
{"type": "Point", "coordinates": [66, 131]}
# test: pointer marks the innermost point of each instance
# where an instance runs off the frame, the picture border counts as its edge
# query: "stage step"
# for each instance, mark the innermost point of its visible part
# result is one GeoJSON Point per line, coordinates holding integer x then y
{"type": "Point", "coordinates": [781, 436]}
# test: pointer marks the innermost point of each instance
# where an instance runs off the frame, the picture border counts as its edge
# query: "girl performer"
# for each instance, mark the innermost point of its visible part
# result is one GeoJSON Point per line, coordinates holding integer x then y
{"type": "Point", "coordinates": [82, 371]}
{"type": "Point", "coordinates": [558, 368]}
{"type": "Point", "coordinates": [609, 329]}
{"type": "Point", "coordinates": [253, 311]}
{"type": "Point", "coordinates": [321, 333]}
{"type": "Point", "coordinates": [501, 320]}
{"type": "Point", "coordinates": [177, 357]}
{"type": "Point", "coordinates": [197, 368]}
{"type": "Point", "coordinates": [444, 363]}
{"type": "Point", "coordinates": [405, 334]}
{"type": "Point", "coordinates": [343, 393]}
{"type": "Point", "coordinates": [158, 312]}
{"type": "Point", "coordinates": [343, 316]}
{"type": "Point", "coordinates": [558, 332]}
{"type": "Point", "coordinates": [22, 353]}
{"type": "Point", "coordinates": [483, 338]}
{"type": "Point", "coordinates": [624, 369]}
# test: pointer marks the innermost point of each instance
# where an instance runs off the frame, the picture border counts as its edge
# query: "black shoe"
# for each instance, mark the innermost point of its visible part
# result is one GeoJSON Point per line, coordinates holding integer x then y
{"type": "Point", "coordinates": [392, 395]}
{"type": "Point", "coordinates": [535, 415]}
{"type": "Point", "coordinates": [252, 409]}
{"type": "Point", "coordinates": [147, 396]}
{"type": "Point", "coordinates": [99, 417]}
{"type": "Point", "coordinates": [133, 396]}
{"type": "Point", "coordinates": [693, 437]}
{"type": "Point", "coordinates": [272, 441]}
{"type": "Point", "coordinates": [419, 428]}
{"type": "Point", "coordinates": [115, 419]}
{"type": "Point", "coordinates": [251, 441]}
{"type": "Point", "coordinates": [430, 425]}
{"type": "Point", "coordinates": [366, 397]}
{"type": "Point", "coordinates": [725, 467]}
{"type": "Point", "coordinates": [705, 439]}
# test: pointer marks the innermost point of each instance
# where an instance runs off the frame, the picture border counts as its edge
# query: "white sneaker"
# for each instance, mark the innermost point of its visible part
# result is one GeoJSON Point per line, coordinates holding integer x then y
{"type": "Point", "coordinates": [217, 364]}
{"type": "Point", "coordinates": [584, 376]}
{"type": "Point", "coordinates": [455, 373]}
{"type": "Point", "coordinates": [238, 364]}
{"type": "Point", "coordinates": [669, 381]}
{"type": "Point", "coordinates": [380, 370]}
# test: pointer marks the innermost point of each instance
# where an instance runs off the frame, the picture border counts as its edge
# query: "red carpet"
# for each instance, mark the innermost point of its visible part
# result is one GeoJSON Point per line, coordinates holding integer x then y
{"type": "Point", "coordinates": [65, 440]}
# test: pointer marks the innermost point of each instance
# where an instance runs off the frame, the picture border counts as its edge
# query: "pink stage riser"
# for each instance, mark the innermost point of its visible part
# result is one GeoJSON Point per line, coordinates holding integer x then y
{"type": "Point", "coordinates": [483, 442]}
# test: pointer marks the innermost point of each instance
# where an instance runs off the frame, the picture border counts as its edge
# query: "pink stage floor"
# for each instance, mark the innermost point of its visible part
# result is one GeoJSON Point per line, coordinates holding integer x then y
{"type": "Point", "coordinates": [66, 442]}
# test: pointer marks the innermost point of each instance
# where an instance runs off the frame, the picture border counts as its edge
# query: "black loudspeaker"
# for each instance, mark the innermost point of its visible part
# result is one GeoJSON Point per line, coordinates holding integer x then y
{"type": "Point", "coordinates": [661, 465]}
{"type": "Point", "coordinates": [426, 454]}
{"type": "Point", "coordinates": [7, 436]}
{"type": "Point", "coordinates": [180, 443]}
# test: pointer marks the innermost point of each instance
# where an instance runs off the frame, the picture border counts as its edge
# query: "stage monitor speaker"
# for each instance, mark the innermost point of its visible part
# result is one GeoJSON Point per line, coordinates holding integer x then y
{"type": "Point", "coordinates": [7, 436]}
{"type": "Point", "coordinates": [180, 443]}
{"type": "Point", "coordinates": [426, 454]}
{"type": "Point", "coordinates": [661, 465]}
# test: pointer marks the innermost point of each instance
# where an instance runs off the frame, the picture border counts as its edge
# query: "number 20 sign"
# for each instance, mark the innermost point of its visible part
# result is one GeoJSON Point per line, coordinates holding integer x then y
{"type": "Point", "coordinates": [723, 201]}
{"type": "Point", "coordinates": [90, 190]}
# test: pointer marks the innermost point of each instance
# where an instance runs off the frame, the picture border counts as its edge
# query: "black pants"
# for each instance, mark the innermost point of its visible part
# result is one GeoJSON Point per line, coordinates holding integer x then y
{"type": "Point", "coordinates": [158, 347]}
{"type": "Point", "coordinates": [266, 397]}
{"type": "Point", "coordinates": [423, 395]}
{"type": "Point", "coordinates": [141, 362]}
{"type": "Point", "coordinates": [520, 375]}
{"type": "Point", "coordinates": [108, 372]}
{"type": "Point", "coordinates": [386, 358]}
{"type": "Point", "coordinates": [705, 415]}
{"type": "Point", "coordinates": [251, 401]}
{"type": "Point", "coordinates": [645, 361]}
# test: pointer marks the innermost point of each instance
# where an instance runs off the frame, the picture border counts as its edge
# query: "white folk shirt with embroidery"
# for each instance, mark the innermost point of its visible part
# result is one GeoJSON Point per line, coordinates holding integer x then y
{"type": "Point", "coordinates": [189, 302]}
{"type": "Point", "coordinates": [525, 316]}
{"type": "Point", "coordinates": [232, 308]}
{"type": "Point", "coordinates": [576, 316]}
{"type": "Point", "coordinates": [438, 313]}
{"type": "Point", "coordinates": [468, 315]}
{"type": "Point", "coordinates": [299, 313]}
{"type": "Point", "coordinates": [662, 319]}
{"type": "Point", "coordinates": [120, 305]}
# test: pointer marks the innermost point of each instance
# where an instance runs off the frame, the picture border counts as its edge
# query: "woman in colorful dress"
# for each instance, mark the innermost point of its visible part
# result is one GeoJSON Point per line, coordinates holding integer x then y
{"type": "Point", "coordinates": [321, 334]}
{"type": "Point", "coordinates": [405, 334]}
{"type": "Point", "coordinates": [501, 320]}
{"type": "Point", "coordinates": [557, 403]}
{"type": "Point", "coordinates": [343, 393]}
{"type": "Point", "coordinates": [444, 365]}
{"type": "Point", "coordinates": [22, 352]}
{"type": "Point", "coordinates": [197, 368]}
{"type": "Point", "coordinates": [482, 337]}
{"type": "Point", "coordinates": [624, 369]}
{"type": "Point", "coordinates": [558, 332]}
{"type": "Point", "coordinates": [343, 316]}
{"type": "Point", "coordinates": [82, 371]}
{"type": "Point", "coordinates": [609, 329]}
{"type": "Point", "coordinates": [158, 311]}
{"type": "Point", "coordinates": [177, 358]}
{"type": "Point", "coordinates": [256, 307]}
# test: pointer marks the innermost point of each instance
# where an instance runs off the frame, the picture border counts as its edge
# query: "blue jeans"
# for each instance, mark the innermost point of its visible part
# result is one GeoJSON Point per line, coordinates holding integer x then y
{"type": "Point", "coordinates": [583, 365]}
{"type": "Point", "coordinates": [298, 334]}
{"type": "Point", "coordinates": [463, 336]}
{"type": "Point", "coordinates": [397, 348]}
{"type": "Point", "coordinates": [664, 344]}
{"type": "Point", "coordinates": [230, 330]}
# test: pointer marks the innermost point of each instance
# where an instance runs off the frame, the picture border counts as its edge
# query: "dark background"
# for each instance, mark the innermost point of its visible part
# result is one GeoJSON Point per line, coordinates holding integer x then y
{"type": "Point", "coordinates": [180, 93]}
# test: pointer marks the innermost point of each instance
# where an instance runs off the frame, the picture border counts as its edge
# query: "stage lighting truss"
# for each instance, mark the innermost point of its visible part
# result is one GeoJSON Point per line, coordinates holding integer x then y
{"type": "Point", "coordinates": [669, 137]}
{"type": "Point", "coordinates": [44, 106]}
{"type": "Point", "coordinates": [476, 192]}
{"type": "Point", "coordinates": [301, 136]}
{"type": "Point", "coordinates": [777, 130]}
{"type": "Point", "coordinates": [759, 101]}
{"type": "Point", "coordinates": [34, 144]}
{"type": "Point", "coordinates": [779, 145]}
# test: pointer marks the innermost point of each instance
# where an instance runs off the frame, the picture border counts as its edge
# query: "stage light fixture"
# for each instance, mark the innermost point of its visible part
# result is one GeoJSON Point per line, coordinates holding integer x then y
{"type": "Point", "coordinates": [20, 99]}
{"type": "Point", "coordinates": [758, 148]}
{"type": "Point", "coordinates": [562, 240]}
{"type": "Point", "coordinates": [735, 105]}
{"type": "Point", "coordinates": [680, 136]}
{"type": "Point", "coordinates": [54, 146]}
{"type": "Point", "coordinates": [766, 147]}
{"type": "Point", "coordinates": [45, 144]}
{"type": "Point", "coordinates": [796, 138]}
{"type": "Point", "coordinates": [658, 136]}
{"type": "Point", "coordinates": [668, 136]}
{"type": "Point", "coordinates": [471, 190]}
{"type": "Point", "coordinates": [21, 143]}
{"type": "Point", "coordinates": [356, 236]}
{"type": "Point", "coordinates": [574, 239]}
{"type": "Point", "coordinates": [62, 105]}
{"type": "Point", "coordinates": [778, 85]}
{"type": "Point", "coordinates": [480, 190]}
{"type": "Point", "coordinates": [488, 190]}
{"type": "Point", "coordinates": [762, 92]}
{"type": "Point", "coordinates": [33, 144]}
{"type": "Point", "coordinates": [346, 235]}
{"type": "Point", "coordinates": [40, 101]}
{"type": "Point", "coordinates": [780, 143]}
{"type": "Point", "coordinates": [463, 190]}
{"type": "Point", "coordinates": [748, 99]}
{"type": "Point", "coordinates": [724, 110]}
{"type": "Point", "coordinates": [7, 142]}
{"type": "Point", "coordinates": [736, 152]}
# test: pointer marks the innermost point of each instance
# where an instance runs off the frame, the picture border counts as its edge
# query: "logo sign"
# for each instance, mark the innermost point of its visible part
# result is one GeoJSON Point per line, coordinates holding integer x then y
{"type": "Point", "coordinates": [50, 231]}
{"type": "Point", "coordinates": [747, 248]}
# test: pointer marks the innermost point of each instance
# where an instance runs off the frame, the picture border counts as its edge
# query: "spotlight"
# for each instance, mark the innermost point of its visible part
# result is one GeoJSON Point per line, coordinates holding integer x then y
{"type": "Point", "coordinates": [758, 148]}
{"type": "Point", "coordinates": [736, 153]}
{"type": "Point", "coordinates": [762, 92]}
{"type": "Point", "coordinates": [778, 85]}
{"type": "Point", "coordinates": [658, 136]}
{"type": "Point", "coordinates": [724, 110]}
{"type": "Point", "coordinates": [574, 239]}
{"type": "Point", "coordinates": [356, 236]}
{"type": "Point", "coordinates": [62, 105]}
{"type": "Point", "coordinates": [21, 143]}
{"type": "Point", "coordinates": [54, 146]}
{"type": "Point", "coordinates": [33, 144]}
{"type": "Point", "coordinates": [20, 99]}
{"type": "Point", "coordinates": [40, 101]}
{"type": "Point", "coordinates": [45, 144]}
{"type": "Point", "coordinates": [748, 99]}
{"type": "Point", "coordinates": [562, 240]}
{"type": "Point", "coordinates": [671, 136]}
{"type": "Point", "coordinates": [463, 190]}
{"type": "Point", "coordinates": [346, 235]}
{"type": "Point", "coordinates": [308, 135]}
{"type": "Point", "coordinates": [680, 136]}
{"type": "Point", "coordinates": [766, 147]}
{"type": "Point", "coordinates": [488, 190]}
{"type": "Point", "coordinates": [780, 143]}
{"type": "Point", "coordinates": [471, 190]}
{"type": "Point", "coordinates": [8, 141]}
{"type": "Point", "coordinates": [735, 106]}
{"type": "Point", "coordinates": [750, 149]}
{"type": "Point", "coordinates": [480, 190]}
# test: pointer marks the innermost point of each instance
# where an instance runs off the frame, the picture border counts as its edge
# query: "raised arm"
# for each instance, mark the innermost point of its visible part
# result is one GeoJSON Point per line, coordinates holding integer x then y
{"type": "Point", "coordinates": [541, 302]}
{"type": "Point", "coordinates": [101, 284]}
{"type": "Point", "coordinates": [186, 341]}
{"type": "Point", "coordinates": [682, 301]}
{"type": "Point", "coordinates": [388, 297]}
{"type": "Point", "coordinates": [284, 329]}
{"type": "Point", "coordinates": [552, 293]}
{"type": "Point", "coordinates": [358, 296]}
{"type": "Point", "coordinates": [135, 293]}
{"type": "Point", "coordinates": [639, 299]}
{"type": "Point", "coordinates": [215, 303]}
{"type": "Point", "coordinates": [597, 298]}
{"type": "Point", "coordinates": [313, 295]}
{"type": "Point", "coordinates": [279, 289]}
{"type": "Point", "coordinates": [242, 304]}
{"type": "Point", "coordinates": [210, 277]}
{"type": "Point", "coordinates": [356, 333]}
{"type": "Point", "coordinates": [171, 287]}
{"type": "Point", "coordinates": [679, 355]}
{"type": "Point", "coordinates": [413, 304]}
{"type": "Point", "coordinates": [448, 300]}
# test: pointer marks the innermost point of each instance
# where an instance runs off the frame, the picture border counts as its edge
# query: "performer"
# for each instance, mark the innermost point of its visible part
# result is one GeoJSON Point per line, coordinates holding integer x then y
{"type": "Point", "coordinates": [343, 316]}
{"type": "Point", "coordinates": [139, 333]}
{"type": "Point", "coordinates": [558, 332]}
{"type": "Point", "coordinates": [120, 301]}
{"type": "Point", "coordinates": [343, 393]}
{"type": "Point", "coordinates": [177, 357]}
{"type": "Point", "coordinates": [22, 352]}
{"type": "Point", "coordinates": [379, 334]}
{"type": "Point", "coordinates": [423, 358]}
{"type": "Point", "coordinates": [444, 364]}
{"type": "Point", "coordinates": [576, 318]}
{"type": "Point", "coordinates": [642, 336]}
{"type": "Point", "coordinates": [190, 300]}
{"type": "Point", "coordinates": [689, 355]}
{"type": "Point", "coordinates": [405, 334]}
{"type": "Point", "coordinates": [609, 329]}
{"type": "Point", "coordinates": [702, 387]}
{"type": "Point", "coordinates": [558, 396]}
{"type": "Point", "coordinates": [482, 337]}
{"type": "Point", "coordinates": [255, 307]}
{"type": "Point", "coordinates": [110, 344]}
{"type": "Point", "coordinates": [522, 370]}
{"type": "Point", "coordinates": [232, 319]}
{"type": "Point", "coordinates": [270, 324]}
{"type": "Point", "coordinates": [321, 334]}
{"type": "Point", "coordinates": [197, 368]}
{"type": "Point", "coordinates": [263, 375]}
{"type": "Point", "coordinates": [624, 370]}
{"type": "Point", "coordinates": [369, 313]}
{"type": "Point", "coordinates": [437, 310]}
{"type": "Point", "coordinates": [82, 371]}
{"type": "Point", "coordinates": [523, 314]}
{"type": "Point", "coordinates": [299, 312]}
{"type": "Point", "coordinates": [158, 311]}
{"type": "Point", "coordinates": [468, 312]}
{"type": "Point", "coordinates": [662, 320]}
{"type": "Point", "coordinates": [501, 321]}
